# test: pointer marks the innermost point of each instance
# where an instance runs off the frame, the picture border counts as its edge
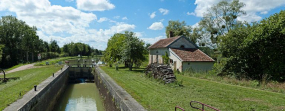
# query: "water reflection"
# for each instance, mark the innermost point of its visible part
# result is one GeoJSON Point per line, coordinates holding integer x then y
{"type": "Point", "coordinates": [80, 97]}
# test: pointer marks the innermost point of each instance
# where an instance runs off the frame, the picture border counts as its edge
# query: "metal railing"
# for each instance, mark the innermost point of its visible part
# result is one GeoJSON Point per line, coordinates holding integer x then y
{"type": "Point", "coordinates": [177, 107]}
{"type": "Point", "coordinates": [203, 106]}
{"type": "Point", "coordinates": [80, 63]}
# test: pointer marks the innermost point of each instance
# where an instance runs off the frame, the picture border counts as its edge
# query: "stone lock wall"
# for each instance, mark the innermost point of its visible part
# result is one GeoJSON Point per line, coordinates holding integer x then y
{"type": "Point", "coordinates": [113, 93]}
{"type": "Point", "coordinates": [44, 99]}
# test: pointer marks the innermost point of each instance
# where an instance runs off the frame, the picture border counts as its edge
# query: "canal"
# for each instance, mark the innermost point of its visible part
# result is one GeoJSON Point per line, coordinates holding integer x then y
{"type": "Point", "coordinates": [80, 97]}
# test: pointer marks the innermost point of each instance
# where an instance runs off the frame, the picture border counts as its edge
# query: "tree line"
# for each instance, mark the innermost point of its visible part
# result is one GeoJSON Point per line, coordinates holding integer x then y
{"type": "Point", "coordinates": [19, 43]}
{"type": "Point", "coordinates": [242, 50]}
{"type": "Point", "coordinates": [73, 49]}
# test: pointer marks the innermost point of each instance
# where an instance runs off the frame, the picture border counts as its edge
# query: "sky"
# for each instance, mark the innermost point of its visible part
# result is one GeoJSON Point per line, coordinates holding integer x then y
{"type": "Point", "coordinates": [94, 21]}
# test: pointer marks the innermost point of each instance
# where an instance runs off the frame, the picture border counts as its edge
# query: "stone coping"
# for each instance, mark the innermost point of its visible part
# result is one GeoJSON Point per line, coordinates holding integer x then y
{"type": "Point", "coordinates": [126, 101]}
{"type": "Point", "coordinates": [29, 96]}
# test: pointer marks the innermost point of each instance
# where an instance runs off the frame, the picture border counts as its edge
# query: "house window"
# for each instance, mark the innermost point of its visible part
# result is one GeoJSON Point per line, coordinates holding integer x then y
{"type": "Point", "coordinates": [182, 46]}
{"type": "Point", "coordinates": [157, 51]}
{"type": "Point", "coordinates": [171, 61]}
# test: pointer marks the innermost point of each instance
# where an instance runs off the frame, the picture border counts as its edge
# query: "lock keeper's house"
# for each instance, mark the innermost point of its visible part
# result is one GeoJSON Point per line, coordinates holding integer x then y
{"type": "Point", "coordinates": [184, 55]}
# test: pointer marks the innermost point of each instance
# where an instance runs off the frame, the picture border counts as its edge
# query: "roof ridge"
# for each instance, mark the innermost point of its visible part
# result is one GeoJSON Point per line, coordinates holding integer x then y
{"type": "Point", "coordinates": [163, 43]}
{"type": "Point", "coordinates": [177, 37]}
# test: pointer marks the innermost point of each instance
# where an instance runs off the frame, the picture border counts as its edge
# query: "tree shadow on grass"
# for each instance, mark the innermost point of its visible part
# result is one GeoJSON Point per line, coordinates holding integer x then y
{"type": "Point", "coordinates": [134, 69]}
{"type": "Point", "coordinates": [4, 81]}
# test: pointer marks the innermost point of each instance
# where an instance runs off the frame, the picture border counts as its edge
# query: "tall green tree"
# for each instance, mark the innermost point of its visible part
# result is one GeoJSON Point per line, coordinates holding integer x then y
{"type": "Point", "coordinates": [73, 49]}
{"type": "Point", "coordinates": [182, 29]}
{"type": "Point", "coordinates": [221, 18]}
{"type": "Point", "coordinates": [54, 46]}
{"type": "Point", "coordinates": [260, 55]}
{"type": "Point", "coordinates": [132, 50]}
{"type": "Point", "coordinates": [114, 48]}
{"type": "Point", "coordinates": [20, 41]}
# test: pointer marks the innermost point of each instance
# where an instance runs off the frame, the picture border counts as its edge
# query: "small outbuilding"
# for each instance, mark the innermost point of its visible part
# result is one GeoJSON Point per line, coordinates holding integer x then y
{"type": "Point", "coordinates": [183, 54]}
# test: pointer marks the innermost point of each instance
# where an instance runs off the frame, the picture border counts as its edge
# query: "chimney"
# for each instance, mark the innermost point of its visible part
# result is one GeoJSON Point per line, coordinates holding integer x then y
{"type": "Point", "coordinates": [170, 34]}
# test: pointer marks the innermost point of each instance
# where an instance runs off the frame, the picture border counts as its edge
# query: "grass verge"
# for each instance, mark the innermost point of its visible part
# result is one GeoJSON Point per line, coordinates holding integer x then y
{"type": "Point", "coordinates": [269, 86]}
{"type": "Point", "coordinates": [156, 96]}
{"type": "Point", "coordinates": [54, 60]}
{"type": "Point", "coordinates": [15, 89]}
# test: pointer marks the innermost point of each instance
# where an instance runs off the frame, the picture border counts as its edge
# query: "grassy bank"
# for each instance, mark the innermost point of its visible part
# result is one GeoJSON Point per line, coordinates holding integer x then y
{"type": "Point", "coordinates": [268, 85]}
{"type": "Point", "coordinates": [62, 59]}
{"type": "Point", "coordinates": [54, 61]}
{"type": "Point", "coordinates": [156, 96]}
{"type": "Point", "coordinates": [15, 89]}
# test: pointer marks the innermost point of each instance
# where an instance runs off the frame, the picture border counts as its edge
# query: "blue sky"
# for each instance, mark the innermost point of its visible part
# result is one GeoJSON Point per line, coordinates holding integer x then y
{"type": "Point", "coordinates": [95, 21]}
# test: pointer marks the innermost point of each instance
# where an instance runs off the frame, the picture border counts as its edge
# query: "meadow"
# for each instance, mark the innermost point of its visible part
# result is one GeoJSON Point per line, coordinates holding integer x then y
{"type": "Point", "coordinates": [157, 96]}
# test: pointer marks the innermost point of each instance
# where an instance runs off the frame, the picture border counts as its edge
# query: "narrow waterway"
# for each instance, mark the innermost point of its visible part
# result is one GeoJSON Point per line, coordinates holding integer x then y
{"type": "Point", "coordinates": [80, 97]}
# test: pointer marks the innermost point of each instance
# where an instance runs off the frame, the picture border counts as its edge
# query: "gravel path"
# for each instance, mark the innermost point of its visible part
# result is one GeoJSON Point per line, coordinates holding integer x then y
{"type": "Point", "coordinates": [24, 67]}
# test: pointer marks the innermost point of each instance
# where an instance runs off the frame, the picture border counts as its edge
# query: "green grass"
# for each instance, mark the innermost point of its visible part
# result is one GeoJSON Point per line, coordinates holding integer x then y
{"type": "Point", "coordinates": [10, 91]}
{"type": "Point", "coordinates": [156, 96]}
{"type": "Point", "coordinates": [54, 60]}
{"type": "Point", "coordinates": [269, 85]}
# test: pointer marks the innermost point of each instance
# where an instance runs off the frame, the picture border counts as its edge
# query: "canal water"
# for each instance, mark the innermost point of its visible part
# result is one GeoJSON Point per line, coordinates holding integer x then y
{"type": "Point", "coordinates": [80, 97]}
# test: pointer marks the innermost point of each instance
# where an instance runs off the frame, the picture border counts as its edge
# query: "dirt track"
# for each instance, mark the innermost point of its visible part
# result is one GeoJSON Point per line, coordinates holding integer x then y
{"type": "Point", "coordinates": [24, 67]}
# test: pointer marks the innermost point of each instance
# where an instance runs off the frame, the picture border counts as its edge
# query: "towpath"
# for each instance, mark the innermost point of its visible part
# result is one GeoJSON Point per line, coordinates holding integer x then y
{"type": "Point", "coordinates": [24, 67]}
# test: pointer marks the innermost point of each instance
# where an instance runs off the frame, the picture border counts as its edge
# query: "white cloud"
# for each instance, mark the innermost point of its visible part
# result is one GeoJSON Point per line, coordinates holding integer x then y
{"type": "Point", "coordinates": [264, 12]}
{"type": "Point", "coordinates": [49, 18]}
{"type": "Point", "coordinates": [54, 21]}
{"type": "Point", "coordinates": [249, 17]}
{"type": "Point", "coordinates": [152, 15]}
{"type": "Point", "coordinates": [139, 34]}
{"type": "Point", "coordinates": [191, 13]}
{"type": "Point", "coordinates": [94, 37]}
{"type": "Point", "coordinates": [102, 19]}
{"type": "Point", "coordinates": [161, 20]}
{"type": "Point", "coordinates": [195, 25]}
{"type": "Point", "coordinates": [252, 7]}
{"type": "Point", "coordinates": [94, 5]}
{"type": "Point", "coordinates": [156, 26]}
{"type": "Point", "coordinates": [153, 40]}
{"type": "Point", "coordinates": [261, 6]}
{"type": "Point", "coordinates": [69, 0]}
{"type": "Point", "coordinates": [124, 18]}
{"type": "Point", "coordinates": [117, 17]}
{"type": "Point", "coordinates": [163, 11]}
{"type": "Point", "coordinates": [203, 5]}
{"type": "Point", "coordinates": [121, 27]}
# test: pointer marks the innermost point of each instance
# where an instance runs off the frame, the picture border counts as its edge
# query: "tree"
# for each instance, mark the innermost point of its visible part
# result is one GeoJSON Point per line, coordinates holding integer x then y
{"type": "Point", "coordinates": [18, 39]}
{"type": "Point", "coordinates": [166, 58]}
{"type": "Point", "coordinates": [132, 50]}
{"type": "Point", "coordinates": [181, 29]}
{"type": "Point", "coordinates": [260, 55]}
{"type": "Point", "coordinates": [53, 46]}
{"type": "Point", "coordinates": [221, 18]}
{"type": "Point", "coordinates": [114, 48]}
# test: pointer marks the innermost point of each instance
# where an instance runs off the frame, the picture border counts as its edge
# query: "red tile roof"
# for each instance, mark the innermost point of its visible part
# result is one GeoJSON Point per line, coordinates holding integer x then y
{"type": "Point", "coordinates": [192, 55]}
{"type": "Point", "coordinates": [162, 43]}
